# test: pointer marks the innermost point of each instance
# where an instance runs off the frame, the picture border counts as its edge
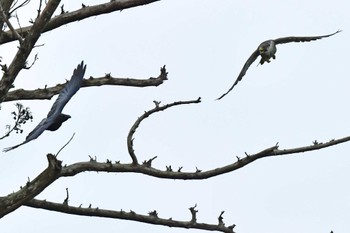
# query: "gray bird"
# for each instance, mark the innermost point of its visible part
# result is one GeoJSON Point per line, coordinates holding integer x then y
{"type": "Point", "coordinates": [267, 50]}
{"type": "Point", "coordinates": [55, 117]}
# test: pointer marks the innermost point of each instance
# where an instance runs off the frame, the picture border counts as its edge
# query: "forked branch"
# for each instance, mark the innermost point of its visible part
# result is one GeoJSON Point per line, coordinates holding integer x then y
{"type": "Point", "coordinates": [19, 61]}
{"type": "Point", "coordinates": [77, 15]}
{"type": "Point", "coordinates": [15, 200]}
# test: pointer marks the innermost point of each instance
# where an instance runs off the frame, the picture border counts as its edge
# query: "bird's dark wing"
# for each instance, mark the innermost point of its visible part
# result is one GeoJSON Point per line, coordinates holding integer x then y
{"type": "Point", "coordinates": [36, 132]}
{"type": "Point", "coordinates": [67, 92]}
{"type": "Point", "coordinates": [65, 95]}
{"type": "Point", "coordinates": [250, 61]}
{"type": "Point", "coordinates": [284, 40]}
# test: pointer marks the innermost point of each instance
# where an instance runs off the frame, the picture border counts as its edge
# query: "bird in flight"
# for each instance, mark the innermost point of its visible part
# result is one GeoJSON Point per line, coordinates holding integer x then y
{"type": "Point", "coordinates": [267, 50]}
{"type": "Point", "coordinates": [55, 117]}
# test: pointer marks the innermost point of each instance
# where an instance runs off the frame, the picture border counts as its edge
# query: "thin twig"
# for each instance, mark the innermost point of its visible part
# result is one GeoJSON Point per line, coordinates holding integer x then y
{"type": "Point", "coordinates": [65, 145]}
{"type": "Point", "coordinates": [22, 116]}
{"type": "Point", "coordinates": [19, 6]}
{"type": "Point", "coordinates": [39, 8]}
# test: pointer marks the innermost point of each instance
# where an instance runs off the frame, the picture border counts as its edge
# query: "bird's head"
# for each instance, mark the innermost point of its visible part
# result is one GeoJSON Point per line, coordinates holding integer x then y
{"type": "Point", "coordinates": [64, 117]}
{"type": "Point", "coordinates": [264, 47]}
{"type": "Point", "coordinates": [261, 49]}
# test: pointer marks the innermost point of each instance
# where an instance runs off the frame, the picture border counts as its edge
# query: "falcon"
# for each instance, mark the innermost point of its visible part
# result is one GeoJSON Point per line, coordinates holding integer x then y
{"type": "Point", "coordinates": [55, 117]}
{"type": "Point", "coordinates": [267, 50]}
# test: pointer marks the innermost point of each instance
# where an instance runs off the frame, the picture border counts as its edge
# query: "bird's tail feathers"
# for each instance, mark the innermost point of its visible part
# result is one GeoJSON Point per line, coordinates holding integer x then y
{"type": "Point", "coordinates": [7, 149]}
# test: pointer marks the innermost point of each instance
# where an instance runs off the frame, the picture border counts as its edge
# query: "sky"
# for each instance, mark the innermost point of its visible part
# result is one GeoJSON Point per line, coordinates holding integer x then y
{"type": "Point", "coordinates": [300, 97]}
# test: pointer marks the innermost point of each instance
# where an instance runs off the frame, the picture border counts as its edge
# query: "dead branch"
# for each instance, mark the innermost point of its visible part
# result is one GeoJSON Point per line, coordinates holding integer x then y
{"type": "Point", "coordinates": [49, 92]}
{"type": "Point", "coordinates": [83, 13]}
{"type": "Point", "coordinates": [6, 4]}
{"type": "Point", "coordinates": [8, 23]}
{"type": "Point", "coordinates": [157, 108]}
{"type": "Point", "coordinates": [131, 215]}
{"type": "Point", "coordinates": [76, 168]}
{"type": "Point", "coordinates": [26, 47]}
{"type": "Point", "coordinates": [13, 201]}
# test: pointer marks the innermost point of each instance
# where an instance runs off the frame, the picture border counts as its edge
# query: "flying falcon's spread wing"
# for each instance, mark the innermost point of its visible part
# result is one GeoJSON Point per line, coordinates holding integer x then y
{"type": "Point", "coordinates": [289, 39]}
{"type": "Point", "coordinates": [250, 61]}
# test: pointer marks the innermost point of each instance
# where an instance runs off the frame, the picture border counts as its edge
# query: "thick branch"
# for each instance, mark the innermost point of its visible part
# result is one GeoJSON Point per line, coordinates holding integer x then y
{"type": "Point", "coordinates": [25, 49]}
{"type": "Point", "coordinates": [76, 168]}
{"type": "Point", "coordinates": [83, 13]}
{"type": "Point", "coordinates": [151, 218]}
{"type": "Point", "coordinates": [49, 92]}
{"type": "Point", "coordinates": [157, 108]}
{"type": "Point", "coordinates": [31, 189]}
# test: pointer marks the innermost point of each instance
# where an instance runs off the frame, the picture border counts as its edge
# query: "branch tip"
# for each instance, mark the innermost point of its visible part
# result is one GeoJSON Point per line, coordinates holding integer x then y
{"type": "Point", "coordinates": [193, 213]}
{"type": "Point", "coordinates": [220, 218]}
{"type": "Point", "coordinates": [148, 163]}
{"type": "Point", "coordinates": [65, 202]}
{"type": "Point", "coordinates": [153, 213]}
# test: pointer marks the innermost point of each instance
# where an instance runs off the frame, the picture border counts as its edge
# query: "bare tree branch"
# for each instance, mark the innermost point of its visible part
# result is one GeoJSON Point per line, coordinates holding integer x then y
{"type": "Point", "coordinates": [55, 171]}
{"type": "Point", "coordinates": [157, 108]}
{"type": "Point", "coordinates": [28, 37]}
{"type": "Point", "coordinates": [76, 168]}
{"type": "Point", "coordinates": [13, 201]}
{"type": "Point", "coordinates": [151, 218]}
{"type": "Point", "coordinates": [83, 13]}
{"type": "Point", "coordinates": [26, 47]}
{"type": "Point", "coordinates": [14, 8]}
{"type": "Point", "coordinates": [6, 4]}
{"type": "Point", "coordinates": [12, 29]}
{"type": "Point", "coordinates": [49, 92]}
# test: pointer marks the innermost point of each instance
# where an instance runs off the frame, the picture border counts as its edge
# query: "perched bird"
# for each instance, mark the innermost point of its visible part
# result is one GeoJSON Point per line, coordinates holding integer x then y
{"type": "Point", "coordinates": [55, 117]}
{"type": "Point", "coordinates": [267, 50]}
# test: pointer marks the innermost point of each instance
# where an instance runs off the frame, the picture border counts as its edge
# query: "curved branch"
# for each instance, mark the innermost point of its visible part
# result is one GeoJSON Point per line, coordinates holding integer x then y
{"type": "Point", "coordinates": [152, 218]}
{"type": "Point", "coordinates": [145, 168]}
{"type": "Point", "coordinates": [157, 108]}
{"type": "Point", "coordinates": [49, 92]}
{"type": "Point", "coordinates": [83, 13]}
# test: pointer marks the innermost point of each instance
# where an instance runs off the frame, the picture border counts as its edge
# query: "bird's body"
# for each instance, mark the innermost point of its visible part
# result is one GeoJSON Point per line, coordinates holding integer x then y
{"type": "Point", "coordinates": [55, 117]}
{"type": "Point", "coordinates": [268, 49]}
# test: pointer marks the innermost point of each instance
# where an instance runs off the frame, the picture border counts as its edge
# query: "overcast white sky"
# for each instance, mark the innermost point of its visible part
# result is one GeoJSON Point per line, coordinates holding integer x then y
{"type": "Point", "coordinates": [297, 98]}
